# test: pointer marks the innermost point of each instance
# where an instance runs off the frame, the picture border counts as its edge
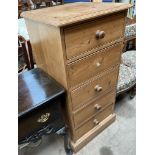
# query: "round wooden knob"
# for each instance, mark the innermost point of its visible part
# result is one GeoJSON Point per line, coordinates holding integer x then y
{"type": "Point", "coordinates": [96, 122]}
{"type": "Point", "coordinates": [97, 107]}
{"type": "Point", "coordinates": [98, 64]}
{"type": "Point", "coordinates": [100, 34]}
{"type": "Point", "coordinates": [98, 88]}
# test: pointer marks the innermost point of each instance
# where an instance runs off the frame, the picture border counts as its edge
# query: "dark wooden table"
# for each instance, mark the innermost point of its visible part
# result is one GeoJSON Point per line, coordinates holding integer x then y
{"type": "Point", "coordinates": [40, 103]}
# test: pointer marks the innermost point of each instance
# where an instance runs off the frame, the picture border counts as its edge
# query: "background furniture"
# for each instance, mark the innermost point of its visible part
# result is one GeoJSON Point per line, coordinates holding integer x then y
{"type": "Point", "coordinates": [22, 32]}
{"type": "Point", "coordinates": [22, 58]}
{"type": "Point", "coordinates": [25, 5]}
{"type": "Point", "coordinates": [127, 74]}
{"type": "Point", "coordinates": [25, 57]}
{"type": "Point", "coordinates": [129, 58]}
{"type": "Point", "coordinates": [126, 80]}
{"type": "Point", "coordinates": [132, 10]}
{"type": "Point", "coordinates": [130, 34]}
{"type": "Point", "coordinates": [42, 3]}
{"type": "Point", "coordinates": [80, 45]}
{"type": "Point", "coordinates": [40, 99]}
{"type": "Point", "coordinates": [73, 1]}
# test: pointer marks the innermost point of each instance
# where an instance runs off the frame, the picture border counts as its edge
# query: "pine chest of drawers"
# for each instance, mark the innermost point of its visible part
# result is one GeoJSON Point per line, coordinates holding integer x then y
{"type": "Point", "coordinates": [80, 45]}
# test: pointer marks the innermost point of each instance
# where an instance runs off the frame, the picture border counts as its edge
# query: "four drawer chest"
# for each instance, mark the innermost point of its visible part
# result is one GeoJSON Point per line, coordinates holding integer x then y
{"type": "Point", "coordinates": [80, 46]}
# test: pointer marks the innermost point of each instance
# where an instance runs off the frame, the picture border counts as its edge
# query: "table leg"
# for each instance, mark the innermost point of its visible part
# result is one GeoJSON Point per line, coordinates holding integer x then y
{"type": "Point", "coordinates": [67, 146]}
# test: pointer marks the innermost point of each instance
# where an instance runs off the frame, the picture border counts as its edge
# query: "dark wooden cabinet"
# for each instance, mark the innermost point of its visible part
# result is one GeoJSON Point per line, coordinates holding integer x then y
{"type": "Point", "coordinates": [40, 99]}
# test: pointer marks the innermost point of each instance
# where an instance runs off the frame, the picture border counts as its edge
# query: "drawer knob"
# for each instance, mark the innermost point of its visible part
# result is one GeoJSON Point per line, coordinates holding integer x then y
{"type": "Point", "coordinates": [96, 122]}
{"type": "Point", "coordinates": [97, 107]}
{"type": "Point", "coordinates": [98, 88]}
{"type": "Point", "coordinates": [98, 64]}
{"type": "Point", "coordinates": [43, 118]}
{"type": "Point", "coordinates": [100, 34]}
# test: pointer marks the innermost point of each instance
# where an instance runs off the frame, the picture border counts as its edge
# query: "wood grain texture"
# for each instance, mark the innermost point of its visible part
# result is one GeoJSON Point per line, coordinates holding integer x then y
{"type": "Point", "coordinates": [47, 49]}
{"type": "Point", "coordinates": [76, 146]}
{"type": "Point", "coordinates": [65, 46]}
{"type": "Point", "coordinates": [90, 123]}
{"type": "Point", "coordinates": [83, 69]}
{"type": "Point", "coordinates": [93, 50]}
{"type": "Point", "coordinates": [96, 106]}
{"type": "Point", "coordinates": [81, 95]}
{"type": "Point", "coordinates": [82, 37]}
{"type": "Point", "coordinates": [73, 13]}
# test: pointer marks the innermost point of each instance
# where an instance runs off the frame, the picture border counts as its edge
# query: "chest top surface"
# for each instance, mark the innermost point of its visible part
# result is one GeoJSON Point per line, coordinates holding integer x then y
{"type": "Point", "coordinates": [67, 14]}
{"type": "Point", "coordinates": [35, 87]}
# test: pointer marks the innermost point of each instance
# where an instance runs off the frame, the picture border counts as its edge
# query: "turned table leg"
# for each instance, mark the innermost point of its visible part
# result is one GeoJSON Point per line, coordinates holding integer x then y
{"type": "Point", "coordinates": [67, 146]}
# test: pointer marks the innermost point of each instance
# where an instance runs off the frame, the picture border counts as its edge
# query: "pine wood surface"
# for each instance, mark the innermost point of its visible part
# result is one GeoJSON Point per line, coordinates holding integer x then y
{"type": "Point", "coordinates": [82, 37]}
{"type": "Point", "coordinates": [94, 64]}
{"type": "Point", "coordinates": [76, 146]}
{"type": "Point", "coordinates": [86, 92]}
{"type": "Point", "coordinates": [91, 123]}
{"type": "Point", "coordinates": [73, 12]}
{"type": "Point", "coordinates": [68, 46]}
{"type": "Point", "coordinates": [94, 108]}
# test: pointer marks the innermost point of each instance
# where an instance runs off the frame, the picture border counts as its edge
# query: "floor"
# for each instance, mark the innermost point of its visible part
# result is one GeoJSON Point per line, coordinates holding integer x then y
{"type": "Point", "coordinates": [117, 139]}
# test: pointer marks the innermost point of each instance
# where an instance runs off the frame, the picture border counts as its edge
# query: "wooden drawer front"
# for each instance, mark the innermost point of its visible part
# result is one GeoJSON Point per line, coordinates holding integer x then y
{"type": "Point", "coordinates": [93, 108]}
{"type": "Point", "coordinates": [33, 122]}
{"type": "Point", "coordinates": [89, 90]}
{"type": "Point", "coordinates": [84, 37]}
{"type": "Point", "coordinates": [94, 64]}
{"type": "Point", "coordinates": [93, 122]}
